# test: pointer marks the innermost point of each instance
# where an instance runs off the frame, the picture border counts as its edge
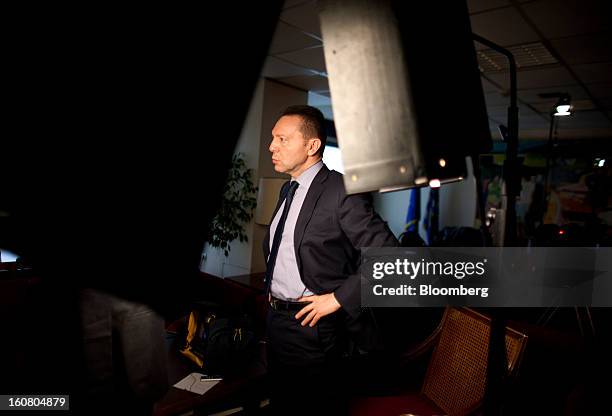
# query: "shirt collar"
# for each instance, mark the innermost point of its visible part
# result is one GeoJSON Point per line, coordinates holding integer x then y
{"type": "Point", "coordinates": [306, 177]}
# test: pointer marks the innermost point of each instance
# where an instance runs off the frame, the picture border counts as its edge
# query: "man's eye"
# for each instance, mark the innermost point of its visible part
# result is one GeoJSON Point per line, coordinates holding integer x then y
{"type": "Point", "coordinates": [283, 139]}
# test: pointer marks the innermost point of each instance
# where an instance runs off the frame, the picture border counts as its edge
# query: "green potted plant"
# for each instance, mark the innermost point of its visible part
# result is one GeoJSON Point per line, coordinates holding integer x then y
{"type": "Point", "coordinates": [236, 210]}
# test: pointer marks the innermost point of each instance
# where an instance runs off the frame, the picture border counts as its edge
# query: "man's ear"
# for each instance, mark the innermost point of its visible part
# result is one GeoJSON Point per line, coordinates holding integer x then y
{"type": "Point", "coordinates": [314, 146]}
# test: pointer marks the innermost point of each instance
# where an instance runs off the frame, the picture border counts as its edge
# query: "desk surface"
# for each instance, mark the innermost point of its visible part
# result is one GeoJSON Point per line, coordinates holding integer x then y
{"type": "Point", "coordinates": [253, 281]}
{"type": "Point", "coordinates": [248, 387]}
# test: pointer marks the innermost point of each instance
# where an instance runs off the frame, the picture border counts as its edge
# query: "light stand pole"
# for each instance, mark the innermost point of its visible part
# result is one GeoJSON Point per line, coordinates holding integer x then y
{"type": "Point", "coordinates": [549, 157]}
{"type": "Point", "coordinates": [511, 167]}
{"type": "Point", "coordinates": [496, 365]}
{"type": "Point", "coordinates": [562, 108]}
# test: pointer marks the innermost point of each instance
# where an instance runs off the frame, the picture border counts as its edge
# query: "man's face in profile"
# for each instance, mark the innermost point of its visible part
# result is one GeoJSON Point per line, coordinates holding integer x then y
{"type": "Point", "coordinates": [289, 148]}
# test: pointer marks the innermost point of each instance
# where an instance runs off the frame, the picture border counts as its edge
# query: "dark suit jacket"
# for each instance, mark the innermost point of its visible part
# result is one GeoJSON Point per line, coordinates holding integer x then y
{"type": "Point", "coordinates": [330, 229]}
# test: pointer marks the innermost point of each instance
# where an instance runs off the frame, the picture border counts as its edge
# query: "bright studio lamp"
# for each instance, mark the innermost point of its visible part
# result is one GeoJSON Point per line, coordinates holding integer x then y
{"type": "Point", "coordinates": [563, 106]}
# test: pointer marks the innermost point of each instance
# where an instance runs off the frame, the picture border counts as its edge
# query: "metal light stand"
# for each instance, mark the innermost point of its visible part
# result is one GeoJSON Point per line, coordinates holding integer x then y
{"type": "Point", "coordinates": [511, 167]}
{"type": "Point", "coordinates": [549, 156]}
{"type": "Point", "coordinates": [496, 367]}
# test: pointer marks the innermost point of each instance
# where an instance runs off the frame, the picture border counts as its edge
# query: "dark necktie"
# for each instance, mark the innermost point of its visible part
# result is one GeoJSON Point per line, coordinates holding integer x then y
{"type": "Point", "coordinates": [278, 235]}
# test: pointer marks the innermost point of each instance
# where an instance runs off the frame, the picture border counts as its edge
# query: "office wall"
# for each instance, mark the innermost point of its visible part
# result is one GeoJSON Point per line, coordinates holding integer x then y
{"type": "Point", "coordinates": [393, 207]}
{"type": "Point", "coordinates": [269, 99]}
{"type": "Point", "coordinates": [239, 259]}
{"type": "Point", "coordinates": [276, 98]}
{"type": "Point", "coordinates": [457, 205]}
{"type": "Point", "coordinates": [458, 201]}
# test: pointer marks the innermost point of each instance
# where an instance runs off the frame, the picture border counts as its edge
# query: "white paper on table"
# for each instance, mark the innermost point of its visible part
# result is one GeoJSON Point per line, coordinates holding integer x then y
{"type": "Point", "coordinates": [193, 383]}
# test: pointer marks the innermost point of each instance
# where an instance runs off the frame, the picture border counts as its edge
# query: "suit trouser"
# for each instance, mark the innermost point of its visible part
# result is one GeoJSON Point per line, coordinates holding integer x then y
{"type": "Point", "coordinates": [304, 364]}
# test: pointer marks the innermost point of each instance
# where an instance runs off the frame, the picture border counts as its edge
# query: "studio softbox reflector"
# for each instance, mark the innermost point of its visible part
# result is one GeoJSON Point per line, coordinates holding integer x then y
{"type": "Point", "coordinates": [405, 89]}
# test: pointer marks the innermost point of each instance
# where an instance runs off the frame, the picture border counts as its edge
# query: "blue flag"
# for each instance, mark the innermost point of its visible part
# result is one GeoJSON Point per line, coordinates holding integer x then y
{"type": "Point", "coordinates": [432, 215]}
{"type": "Point", "coordinates": [413, 214]}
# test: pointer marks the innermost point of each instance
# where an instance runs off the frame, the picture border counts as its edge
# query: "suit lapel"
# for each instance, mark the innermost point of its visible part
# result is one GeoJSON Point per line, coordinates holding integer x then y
{"type": "Point", "coordinates": [314, 192]}
{"type": "Point", "coordinates": [281, 198]}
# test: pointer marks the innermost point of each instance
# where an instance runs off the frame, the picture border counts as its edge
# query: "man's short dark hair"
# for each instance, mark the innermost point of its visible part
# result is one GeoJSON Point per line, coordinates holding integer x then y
{"type": "Point", "coordinates": [313, 123]}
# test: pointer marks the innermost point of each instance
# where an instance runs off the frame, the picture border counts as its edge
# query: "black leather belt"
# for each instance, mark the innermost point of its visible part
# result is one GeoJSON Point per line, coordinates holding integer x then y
{"type": "Point", "coordinates": [286, 305]}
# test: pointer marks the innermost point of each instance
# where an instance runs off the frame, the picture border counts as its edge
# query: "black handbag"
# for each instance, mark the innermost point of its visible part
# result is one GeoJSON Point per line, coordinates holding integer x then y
{"type": "Point", "coordinates": [219, 341]}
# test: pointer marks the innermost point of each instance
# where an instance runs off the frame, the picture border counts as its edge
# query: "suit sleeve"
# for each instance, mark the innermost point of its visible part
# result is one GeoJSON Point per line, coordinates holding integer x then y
{"type": "Point", "coordinates": [364, 228]}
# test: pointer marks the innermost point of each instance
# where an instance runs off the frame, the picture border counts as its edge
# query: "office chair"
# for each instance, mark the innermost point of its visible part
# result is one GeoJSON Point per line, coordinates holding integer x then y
{"type": "Point", "coordinates": [456, 376]}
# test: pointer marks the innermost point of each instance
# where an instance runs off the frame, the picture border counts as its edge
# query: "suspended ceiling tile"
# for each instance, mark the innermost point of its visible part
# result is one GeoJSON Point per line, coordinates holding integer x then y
{"type": "Point", "coordinates": [544, 77]}
{"type": "Point", "coordinates": [526, 55]}
{"type": "Point", "coordinates": [493, 125]}
{"type": "Point", "coordinates": [288, 39]}
{"type": "Point", "coordinates": [494, 131]}
{"type": "Point", "coordinates": [497, 110]}
{"type": "Point", "coordinates": [275, 68]}
{"type": "Point", "coordinates": [584, 49]}
{"type": "Point", "coordinates": [533, 95]}
{"type": "Point", "coordinates": [309, 58]}
{"type": "Point", "coordinates": [534, 133]}
{"type": "Point", "coordinates": [557, 19]}
{"type": "Point", "coordinates": [543, 107]}
{"type": "Point", "coordinates": [577, 105]}
{"type": "Point", "coordinates": [292, 3]}
{"type": "Point", "coordinates": [592, 73]}
{"type": "Point", "coordinates": [488, 87]}
{"type": "Point", "coordinates": [538, 128]}
{"type": "Point", "coordinates": [532, 123]}
{"type": "Point", "coordinates": [532, 118]}
{"type": "Point", "coordinates": [605, 103]}
{"type": "Point", "coordinates": [583, 105]}
{"type": "Point", "coordinates": [536, 78]}
{"type": "Point", "coordinates": [496, 98]}
{"type": "Point", "coordinates": [585, 133]}
{"type": "Point", "coordinates": [495, 121]}
{"type": "Point", "coordinates": [477, 6]}
{"type": "Point", "coordinates": [308, 83]}
{"type": "Point", "coordinates": [600, 90]}
{"type": "Point", "coordinates": [502, 110]}
{"type": "Point", "coordinates": [503, 26]}
{"type": "Point", "coordinates": [584, 119]}
{"type": "Point", "coordinates": [527, 110]}
{"type": "Point", "coordinates": [304, 16]}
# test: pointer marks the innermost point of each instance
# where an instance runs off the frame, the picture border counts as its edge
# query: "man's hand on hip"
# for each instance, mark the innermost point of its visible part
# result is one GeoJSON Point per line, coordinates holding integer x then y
{"type": "Point", "coordinates": [319, 306]}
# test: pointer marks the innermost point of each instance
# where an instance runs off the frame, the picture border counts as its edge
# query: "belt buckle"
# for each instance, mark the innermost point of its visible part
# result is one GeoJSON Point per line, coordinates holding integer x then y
{"type": "Point", "coordinates": [274, 304]}
{"type": "Point", "coordinates": [280, 305]}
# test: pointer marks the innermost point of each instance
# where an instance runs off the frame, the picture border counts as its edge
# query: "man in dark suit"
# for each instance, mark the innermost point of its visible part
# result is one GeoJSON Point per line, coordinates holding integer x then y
{"type": "Point", "coordinates": [312, 253]}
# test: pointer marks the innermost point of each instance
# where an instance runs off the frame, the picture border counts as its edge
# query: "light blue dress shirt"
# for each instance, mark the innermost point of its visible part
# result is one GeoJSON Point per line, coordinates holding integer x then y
{"type": "Point", "coordinates": [286, 281]}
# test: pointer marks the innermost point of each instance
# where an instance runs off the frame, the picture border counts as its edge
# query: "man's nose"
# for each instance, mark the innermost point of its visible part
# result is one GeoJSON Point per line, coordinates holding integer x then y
{"type": "Point", "coordinates": [272, 147]}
